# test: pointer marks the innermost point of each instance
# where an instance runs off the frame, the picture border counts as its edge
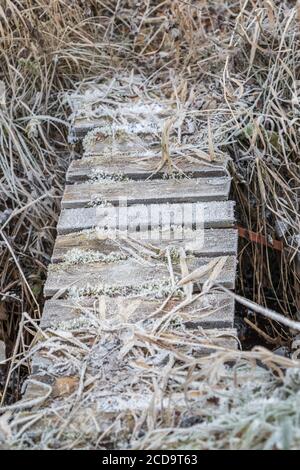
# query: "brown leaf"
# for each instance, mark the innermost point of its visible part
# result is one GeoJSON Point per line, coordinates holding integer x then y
{"type": "Point", "coordinates": [64, 386]}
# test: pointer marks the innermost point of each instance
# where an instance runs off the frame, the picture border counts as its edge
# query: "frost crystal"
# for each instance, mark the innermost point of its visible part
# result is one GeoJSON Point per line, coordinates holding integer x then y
{"type": "Point", "coordinates": [155, 290]}
{"type": "Point", "coordinates": [78, 256]}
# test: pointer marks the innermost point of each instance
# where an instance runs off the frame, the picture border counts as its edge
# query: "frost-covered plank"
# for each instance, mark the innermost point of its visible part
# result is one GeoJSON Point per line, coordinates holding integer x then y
{"type": "Point", "coordinates": [210, 242]}
{"type": "Point", "coordinates": [129, 277]}
{"type": "Point", "coordinates": [140, 167]}
{"type": "Point", "coordinates": [146, 192]}
{"type": "Point", "coordinates": [111, 115]}
{"type": "Point", "coordinates": [82, 126]}
{"type": "Point", "coordinates": [212, 310]}
{"type": "Point", "coordinates": [141, 217]}
{"type": "Point", "coordinates": [112, 391]}
{"type": "Point", "coordinates": [120, 90]}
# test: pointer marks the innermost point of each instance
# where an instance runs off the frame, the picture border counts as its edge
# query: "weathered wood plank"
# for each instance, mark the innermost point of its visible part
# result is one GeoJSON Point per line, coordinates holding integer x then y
{"type": "Point", "coordinates": [124, 145]}
{"type": "Point", "coordinates": [130, 276]}
{"type": "Point", "coordinates": [210, 242]}
{"type": "Point", "coordinates": [139, 217]}
{"type": "Point", "coordinates": [114, 396]}
{"type": "Point", "coordinates": [141, 167]}
{"type": "Point", "coordinates": [147, 192]}
{"type": "Point", "coordinates": [212, 310]}
{"type": "Point", "coordinates": [109, 115]}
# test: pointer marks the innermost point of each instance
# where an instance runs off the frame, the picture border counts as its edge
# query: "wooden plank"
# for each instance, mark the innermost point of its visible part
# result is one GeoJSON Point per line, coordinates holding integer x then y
{"type": "Point", "coordinates": [81, 127]}
{"type": "Point", "coordinates": [130, 276]}
{"type": "Point", "coordinates": [138, 217]}
{"type": "Point", "coordinates": [119, 91]}
{"type": "Point", "coordinates": [116, 133]}
{"type": "Point", "coordinates": [113, 108]}
{"type": "Point", "coordinates": [141, 167]}
{"type": "Point", "coordinates": [211, 242]}
{"type": "Point", "coordinates": [147, 192]}
{"type": "Point", "coordinates": [124, 145]}
{"type": "Point", "coordinates": [112, 384]}
{"type": "Point", "coordinates": [135, 117]}
{"type": "Point", "coordinates": [212, 310]}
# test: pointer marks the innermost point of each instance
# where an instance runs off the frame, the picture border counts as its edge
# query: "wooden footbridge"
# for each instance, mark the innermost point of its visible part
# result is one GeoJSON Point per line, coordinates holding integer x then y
{"type": "Point", "coordinates": [145, 239]}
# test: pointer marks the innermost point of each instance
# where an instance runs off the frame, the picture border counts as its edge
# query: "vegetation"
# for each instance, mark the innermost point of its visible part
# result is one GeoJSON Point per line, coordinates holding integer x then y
{"type": "Point", "coordinates": [233, 67]}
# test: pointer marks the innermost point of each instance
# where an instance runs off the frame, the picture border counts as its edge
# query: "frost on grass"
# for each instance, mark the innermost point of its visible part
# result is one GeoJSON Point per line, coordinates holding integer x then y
{"type": "Point", "coordinates": [155, 290]}
{"type": "Point", "coordinates": [125, 116]}
{"type": "Point", "coordinates": [255, 414]}
{"type": "Point", "coordinates": [245, 407]}
{"type": "Point", "coordinates": [80, 323]}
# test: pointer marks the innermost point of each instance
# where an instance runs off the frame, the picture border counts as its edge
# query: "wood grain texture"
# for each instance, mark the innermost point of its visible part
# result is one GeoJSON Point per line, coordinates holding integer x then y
{"type": "Point", "coordinates": [210, 242]}
{"type": "Point", "coordinates": [141, 167]}
{"type": "Point", "coordinates": [139, 217]}
{"type": "Point", "coordinates": [130, 273]}
{"type": "Point", "coordinates": [123, 145]}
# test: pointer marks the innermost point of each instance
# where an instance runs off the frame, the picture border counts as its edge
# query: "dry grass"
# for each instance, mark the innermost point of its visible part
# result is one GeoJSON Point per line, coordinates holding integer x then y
{"type": "Point", "coordinates": [160, 395]}
{"type": "Point", "coordinates": [236, 65]}
{"type": "Point", "coordinates": [45, 49]}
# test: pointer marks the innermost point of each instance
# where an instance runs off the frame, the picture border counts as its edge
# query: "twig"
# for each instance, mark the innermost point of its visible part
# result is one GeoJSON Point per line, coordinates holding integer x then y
{"type": "Point", "coordinates": [294, 325]}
